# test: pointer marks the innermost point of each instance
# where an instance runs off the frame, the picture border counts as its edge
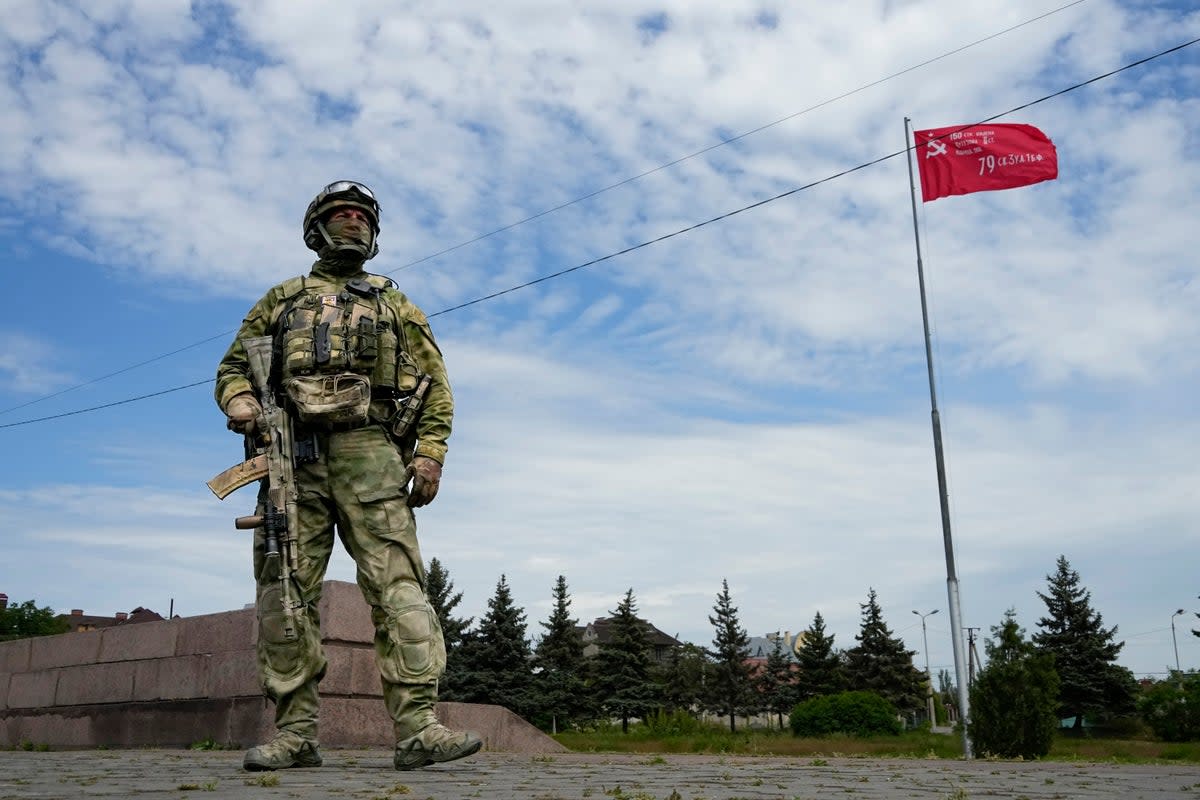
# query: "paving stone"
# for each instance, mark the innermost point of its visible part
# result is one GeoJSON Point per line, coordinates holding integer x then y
{"type": "Point", "coordinates": [495, 776]}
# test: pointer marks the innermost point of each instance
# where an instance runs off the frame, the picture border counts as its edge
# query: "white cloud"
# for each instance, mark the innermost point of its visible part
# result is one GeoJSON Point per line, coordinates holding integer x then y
{"type": "Point", "coordinates": [746, 400]}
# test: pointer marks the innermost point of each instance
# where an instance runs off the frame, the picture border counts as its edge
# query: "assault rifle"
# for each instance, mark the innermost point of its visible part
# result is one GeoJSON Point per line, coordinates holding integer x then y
{"type": "Point", "coordinates": [271, 454]}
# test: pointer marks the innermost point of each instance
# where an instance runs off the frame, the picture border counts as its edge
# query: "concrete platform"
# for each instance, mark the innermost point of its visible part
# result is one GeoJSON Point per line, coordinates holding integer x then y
{"type": "Point", "coordinates": [129, 774]}
{"type": "Point", "coordinates": [173, 683]}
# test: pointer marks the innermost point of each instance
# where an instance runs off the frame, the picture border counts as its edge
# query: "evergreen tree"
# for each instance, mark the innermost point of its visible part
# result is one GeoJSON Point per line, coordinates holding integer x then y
{"type": "Point", "coordinates": [623, 666]}
{"type": "Point", "coordinates": [820, 671]}
{"type": "Point", "coordinates": [730, 689]}
{"type": "Point", "coordinates": [440, 591]}
{"type": "Point", "coordinates": [1084, 650]}
{"type": "Point", "coordinates": [881, 664]}
{"type": "Point", "coordinates": [775, 684]}
{"type": "Point", "coordinates": [1014, 698]}
{"type": "Point", "coordinates": [23, 620]}
{"type": "Point", "coordinates": [496, 658]}
{"type": "Point", "coordinates": [683, 678]}
{"type": "Point", "coordinates": [558, 661]}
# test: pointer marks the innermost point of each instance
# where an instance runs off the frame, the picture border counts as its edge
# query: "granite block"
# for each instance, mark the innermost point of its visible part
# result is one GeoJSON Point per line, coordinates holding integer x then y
{"type": "Point", "coordinates": [138, 641]}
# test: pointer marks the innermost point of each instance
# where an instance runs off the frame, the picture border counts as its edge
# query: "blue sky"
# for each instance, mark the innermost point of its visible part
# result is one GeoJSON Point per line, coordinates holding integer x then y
{"type": "Point", "coordinates": [747, 401]}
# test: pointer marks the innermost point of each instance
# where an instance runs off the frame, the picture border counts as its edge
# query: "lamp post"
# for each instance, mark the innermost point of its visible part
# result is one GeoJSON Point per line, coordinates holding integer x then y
{"type": "Point", "coordinates": [1174, 642]}
{"type": "Point", "coordinates": [929, 676]}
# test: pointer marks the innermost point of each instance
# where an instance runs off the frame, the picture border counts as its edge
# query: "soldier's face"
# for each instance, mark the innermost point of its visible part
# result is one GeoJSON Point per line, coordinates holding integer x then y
{"type": "Point", "coordinates": [348, 213]}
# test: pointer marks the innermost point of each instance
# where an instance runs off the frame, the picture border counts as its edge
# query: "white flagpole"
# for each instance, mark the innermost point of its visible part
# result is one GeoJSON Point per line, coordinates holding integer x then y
{"type": "Point", "coordinates": [951, 575]}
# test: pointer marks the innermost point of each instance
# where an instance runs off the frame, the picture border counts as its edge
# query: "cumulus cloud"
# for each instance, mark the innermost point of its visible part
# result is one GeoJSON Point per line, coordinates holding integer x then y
{"type": "Point", "coordinates": [747, 400]}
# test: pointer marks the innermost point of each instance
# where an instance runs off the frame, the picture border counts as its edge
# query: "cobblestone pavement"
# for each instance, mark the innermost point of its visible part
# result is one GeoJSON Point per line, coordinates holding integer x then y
{"type": "Point", "coordinates": [368, 775]}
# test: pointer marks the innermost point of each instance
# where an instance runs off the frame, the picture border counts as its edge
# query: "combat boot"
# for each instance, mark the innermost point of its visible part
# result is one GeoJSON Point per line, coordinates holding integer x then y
{"type": "Point", "coordinates": [286, 750]}
{"type": "Point", "coordinates": [433, 744]}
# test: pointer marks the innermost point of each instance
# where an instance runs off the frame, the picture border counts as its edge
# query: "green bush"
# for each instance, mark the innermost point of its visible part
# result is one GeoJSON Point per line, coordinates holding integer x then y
{"type": "Point", "coordinates": [676, 723]}
{"type": "Point", "coordinates": [854, 713]}
{"type": "Point", "coordinates": [1172, 707]}
{"type": "Point", "coordinates": [1013, 707]}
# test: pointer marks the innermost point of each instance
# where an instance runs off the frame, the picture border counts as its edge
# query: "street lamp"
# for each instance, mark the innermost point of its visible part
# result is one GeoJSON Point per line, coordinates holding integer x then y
{"type": "Point", "coordinates": [929, 676]}
{"type": "Point", "coordinates": [1174, 642]}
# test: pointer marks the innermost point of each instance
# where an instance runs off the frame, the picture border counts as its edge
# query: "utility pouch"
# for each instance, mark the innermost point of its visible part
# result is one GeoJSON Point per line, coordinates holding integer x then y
{"type": "Point", "coordinates": [330, 402]}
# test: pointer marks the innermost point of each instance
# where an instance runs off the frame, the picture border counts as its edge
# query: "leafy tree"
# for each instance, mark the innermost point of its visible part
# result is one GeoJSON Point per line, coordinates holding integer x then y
{"type": "Point", "coordinates": [1084, 650]}
{"type": "Point", "coordinates": [730, 688]}
{"type": "Point", "coordinates": [1172, 707]}
{"type": "Point", "coordinates": [820, 670]}
{"type": "Point", "coordinates": [623, 666]}
{"type": "Point", "coordinates": [881, 664]}
{"type": "Point", "coordinates": [23, 620]}
{"type": "Point", "coordinates": [558, 661]}
{"type": "Point", "coordinates": [776, 682]}
{"type": "Point", "coordinates": [684, 677]}
{"type": "Point", "coordinates": [1014, 698]}
{"type": "Point", "coordinates": [495, 663]}
{"type": "Point", "coordinates": [947, 696]}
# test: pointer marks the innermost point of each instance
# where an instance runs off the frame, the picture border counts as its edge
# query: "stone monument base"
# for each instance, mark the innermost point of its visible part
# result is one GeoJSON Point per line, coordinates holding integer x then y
{"type": "Point", "coordinates": [193, 680]}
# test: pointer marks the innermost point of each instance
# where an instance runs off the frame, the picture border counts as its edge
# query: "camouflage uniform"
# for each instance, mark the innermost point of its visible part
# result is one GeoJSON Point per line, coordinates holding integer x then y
{"type": "Point", "coordinates": [358, 485]}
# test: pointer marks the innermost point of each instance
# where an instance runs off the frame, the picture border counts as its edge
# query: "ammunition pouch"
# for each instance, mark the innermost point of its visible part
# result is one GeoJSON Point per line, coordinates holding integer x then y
{"type": "Point", "coordinates": [330, 402]}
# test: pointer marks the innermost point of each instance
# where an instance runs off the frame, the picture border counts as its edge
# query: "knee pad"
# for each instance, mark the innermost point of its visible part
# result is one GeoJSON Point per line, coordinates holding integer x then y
{"type": "Point", "coordinates": [408, 640]}
{"type": "Point", "coordinates": [284, 665]}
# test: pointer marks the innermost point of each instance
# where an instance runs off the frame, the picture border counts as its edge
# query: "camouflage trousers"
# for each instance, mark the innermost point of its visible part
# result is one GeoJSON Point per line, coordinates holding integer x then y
{"type": "Point", "coordinates": [358, 488]}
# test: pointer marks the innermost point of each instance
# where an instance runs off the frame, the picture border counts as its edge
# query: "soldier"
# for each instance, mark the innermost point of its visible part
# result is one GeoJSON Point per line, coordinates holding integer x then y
{"type": "Point", "coordinates": [342, 333]}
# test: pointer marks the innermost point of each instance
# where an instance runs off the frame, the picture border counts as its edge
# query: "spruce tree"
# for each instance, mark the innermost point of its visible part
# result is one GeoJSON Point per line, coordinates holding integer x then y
{"type": "Point", "coordinates": [1014, 698]}
{"type": "Point", "coordinates": [496, 659]}
{"type": "Point", "coordinates": [623, 681]}
{"type": "Point", "coordinates": [684, 677]}
{"type": "Point", "coordinates": [558, 661]}
{"type": "Point", "coordinates": [775, 684]}
{"type": "Point", "coordinates": [730, 688]}
{"type": "Point", "coordinates": [820, 670]}
{"type": "Point", "coordinates": [881, 664]}
{"type": "Point", "coordinates": [440, 591]}
{"type": "Point", "coordinates": [1085, 652]}
{"type": "Point", "coordinates": [439, 588]}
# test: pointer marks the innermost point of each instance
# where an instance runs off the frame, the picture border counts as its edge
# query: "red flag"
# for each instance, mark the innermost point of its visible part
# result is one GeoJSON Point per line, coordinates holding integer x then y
{"type": "Point", "coordinates": [983, 158]}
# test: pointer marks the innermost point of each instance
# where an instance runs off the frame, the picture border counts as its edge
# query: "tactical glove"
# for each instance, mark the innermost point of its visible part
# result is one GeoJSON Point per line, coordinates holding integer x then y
{"type": "Point", "coordinates": [243, 411]}
{"type": "Point", "coordinates": [427, 474]}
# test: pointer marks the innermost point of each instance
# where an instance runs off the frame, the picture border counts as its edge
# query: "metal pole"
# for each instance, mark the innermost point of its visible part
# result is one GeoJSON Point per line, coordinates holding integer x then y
{"type": "Point", "coordinates": [951, 576]}
{"type": "Point", "coordinates": [928, 675]}
{"type": "Point", "coordinates": [1174, 642]}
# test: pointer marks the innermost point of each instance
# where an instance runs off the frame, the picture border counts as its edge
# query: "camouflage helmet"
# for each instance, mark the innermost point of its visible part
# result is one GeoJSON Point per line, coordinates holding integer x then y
{"type": "Point", "coordinates": [340, 194]}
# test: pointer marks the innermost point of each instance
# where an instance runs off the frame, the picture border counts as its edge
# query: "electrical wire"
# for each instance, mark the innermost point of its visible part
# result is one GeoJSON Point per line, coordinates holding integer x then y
{"type": "Point", "coordinates": [687, 229]}
{"type": "Point", "coordinates": [590, 195]}
{"type": "Point", "coordinates": [730, 140]}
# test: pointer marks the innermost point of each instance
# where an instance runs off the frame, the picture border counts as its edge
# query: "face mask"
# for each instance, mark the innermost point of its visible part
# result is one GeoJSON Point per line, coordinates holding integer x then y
{"type": "Point", "coordinates": [352, 240]}
{"type": "Point", "coordinates": [351, 232]}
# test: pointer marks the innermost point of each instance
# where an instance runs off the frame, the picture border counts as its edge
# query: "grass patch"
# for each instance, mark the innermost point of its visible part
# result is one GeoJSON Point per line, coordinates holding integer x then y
{"type": "Point", "coordinates": [717, 740]}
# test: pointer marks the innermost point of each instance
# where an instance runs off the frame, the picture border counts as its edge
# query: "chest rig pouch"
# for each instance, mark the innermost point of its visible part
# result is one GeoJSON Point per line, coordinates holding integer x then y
{"type": "Point", "coordinates": [332, 345]}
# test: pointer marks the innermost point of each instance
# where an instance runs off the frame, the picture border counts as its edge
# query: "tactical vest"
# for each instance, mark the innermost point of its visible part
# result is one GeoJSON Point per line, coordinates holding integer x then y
{"type": "Point", "coordinates": [323, 337]}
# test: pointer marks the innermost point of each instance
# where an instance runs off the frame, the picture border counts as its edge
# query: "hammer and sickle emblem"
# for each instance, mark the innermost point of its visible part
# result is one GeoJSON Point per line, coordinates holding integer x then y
{"type": "Point", "coordinates": [935, 148]}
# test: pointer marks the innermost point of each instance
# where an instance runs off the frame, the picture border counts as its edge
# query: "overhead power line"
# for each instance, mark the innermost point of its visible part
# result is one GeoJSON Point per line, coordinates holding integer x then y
{"type": "Point", "coordinates": [730, 140]}
{"type": "Point", "coordinates": [687, 229]}
{"type": "Point", "coordinates": [590, 195]}
{"type": "Point", "coordinates": [108, 405]}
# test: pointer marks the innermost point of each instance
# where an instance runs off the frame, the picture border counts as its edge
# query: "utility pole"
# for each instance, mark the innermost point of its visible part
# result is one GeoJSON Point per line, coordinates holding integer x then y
{"type": "Point", "coordinates": [972, 655]}
{"type": "Point", "coordinates": [928, 676]}
{"type": "Point", "coordinates": [1174, 642]}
